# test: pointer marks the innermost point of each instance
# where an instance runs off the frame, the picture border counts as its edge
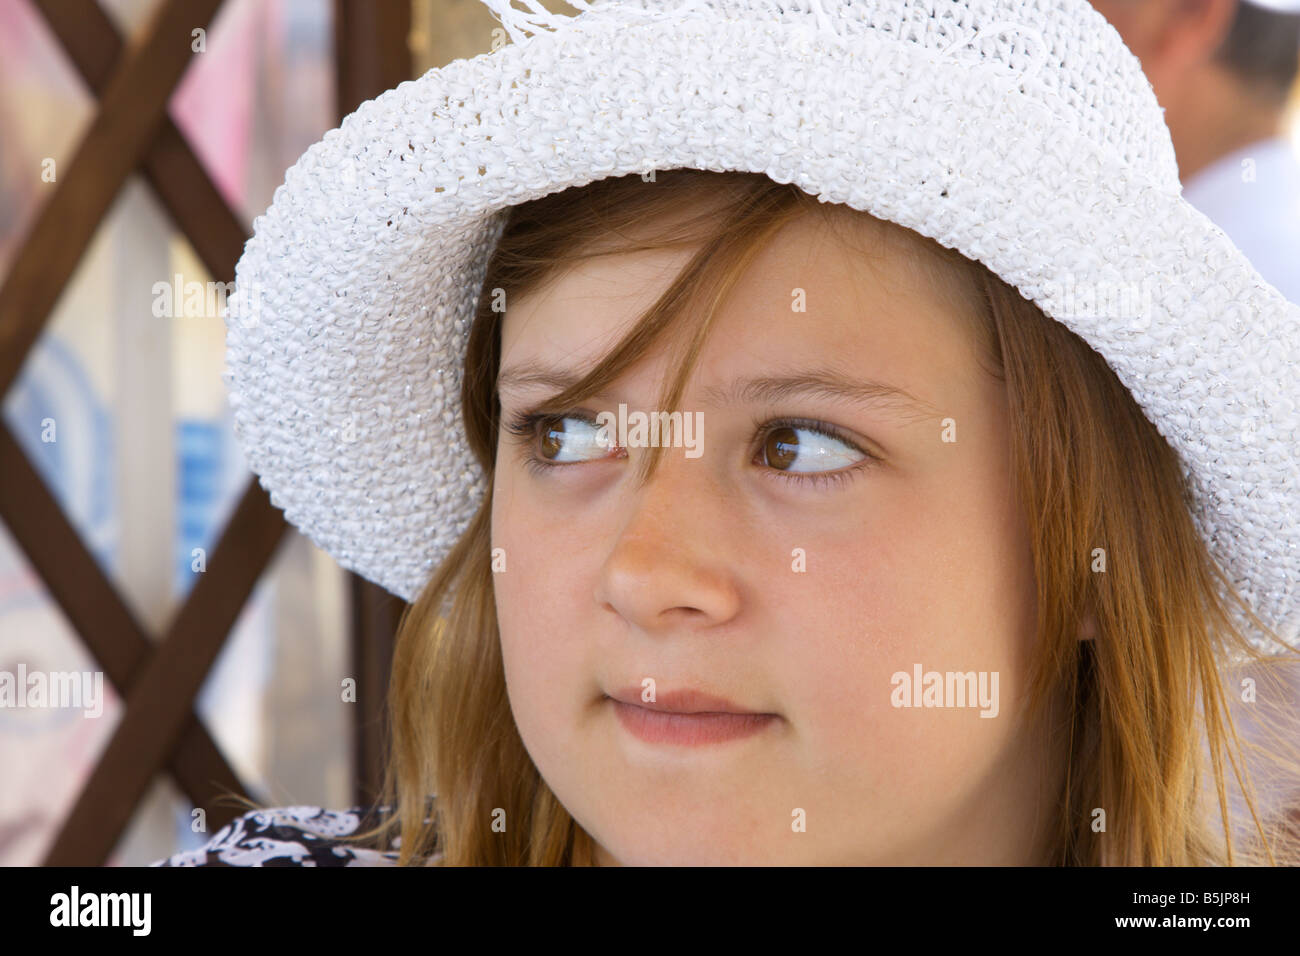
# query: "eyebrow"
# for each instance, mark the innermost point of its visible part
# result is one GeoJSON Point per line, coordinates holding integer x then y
{"type": "Point", "coordinates": [807, 383]}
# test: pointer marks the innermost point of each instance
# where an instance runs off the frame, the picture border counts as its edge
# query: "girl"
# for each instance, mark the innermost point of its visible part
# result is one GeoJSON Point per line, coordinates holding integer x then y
{"type": "Point", "coordinates": [939, 588]}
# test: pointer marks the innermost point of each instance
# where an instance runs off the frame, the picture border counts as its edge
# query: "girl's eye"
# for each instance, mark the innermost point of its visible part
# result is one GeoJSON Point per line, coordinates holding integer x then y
{"type": "Point", "coordinates": [809, 448]}
{"type": "Point", "coordinates": [560, 439]}
{"type": "Point", "coordinates": [782, 448]}
{"type": "Point", "coordinates": [567, 444]}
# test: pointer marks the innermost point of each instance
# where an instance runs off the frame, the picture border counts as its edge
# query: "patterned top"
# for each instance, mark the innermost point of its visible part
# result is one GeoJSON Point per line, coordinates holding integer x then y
{"type": "Point", "coordinates": [286, 836]}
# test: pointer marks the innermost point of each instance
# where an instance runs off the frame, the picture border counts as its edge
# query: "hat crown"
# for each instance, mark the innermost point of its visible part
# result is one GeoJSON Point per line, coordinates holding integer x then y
{"type": "Point", "coordinates": [1061, 55]}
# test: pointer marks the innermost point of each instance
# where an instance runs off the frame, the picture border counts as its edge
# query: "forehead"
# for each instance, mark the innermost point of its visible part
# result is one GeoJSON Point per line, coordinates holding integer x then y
{"type": "Point", "coordinates": [828, 286]}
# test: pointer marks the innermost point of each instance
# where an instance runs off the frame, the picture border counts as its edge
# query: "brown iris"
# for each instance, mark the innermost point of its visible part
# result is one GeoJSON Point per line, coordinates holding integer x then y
{"type": "Point", "coordinates": [781, 447]}
{"type": "Point", "coordinates": [552, 441]}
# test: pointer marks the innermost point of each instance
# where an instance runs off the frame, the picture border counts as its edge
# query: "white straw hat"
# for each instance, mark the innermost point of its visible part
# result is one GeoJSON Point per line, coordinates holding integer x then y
{"type": "Point", "coordinates": [1019, 132]}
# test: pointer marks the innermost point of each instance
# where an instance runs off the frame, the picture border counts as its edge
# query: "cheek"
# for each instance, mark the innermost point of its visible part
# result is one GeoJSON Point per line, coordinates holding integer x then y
{"type": "Point", "coordinates": [543, 654]}
{"type": "Point", "coordinates": [936, 574]}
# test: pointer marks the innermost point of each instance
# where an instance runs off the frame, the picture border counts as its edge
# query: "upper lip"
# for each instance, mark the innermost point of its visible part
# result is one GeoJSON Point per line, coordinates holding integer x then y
{"type": "Point", "coordinates": [681, 701]}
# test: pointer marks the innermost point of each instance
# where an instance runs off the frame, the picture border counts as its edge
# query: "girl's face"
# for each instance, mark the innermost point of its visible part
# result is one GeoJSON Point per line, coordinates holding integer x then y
{"type": "Point", "coordinates": [846, 522]}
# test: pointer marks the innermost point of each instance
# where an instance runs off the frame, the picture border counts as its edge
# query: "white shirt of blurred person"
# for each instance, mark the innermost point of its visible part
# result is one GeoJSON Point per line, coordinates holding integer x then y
{"type": "Point", "coordinates": [1223, 70]}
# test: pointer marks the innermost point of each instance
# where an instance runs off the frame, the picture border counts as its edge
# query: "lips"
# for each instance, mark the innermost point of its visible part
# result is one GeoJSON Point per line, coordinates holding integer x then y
{"type": "Point", "coordinates": [686, 717]}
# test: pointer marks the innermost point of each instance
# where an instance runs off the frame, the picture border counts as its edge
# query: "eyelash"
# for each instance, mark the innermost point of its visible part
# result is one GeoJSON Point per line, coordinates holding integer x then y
{"type": "Point", "coordinates": [524, 428]}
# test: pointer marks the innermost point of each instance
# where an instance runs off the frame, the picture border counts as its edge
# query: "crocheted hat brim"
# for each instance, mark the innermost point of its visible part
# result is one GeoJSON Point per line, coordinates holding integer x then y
{"type": "Point", "coordinates": [347, 332]}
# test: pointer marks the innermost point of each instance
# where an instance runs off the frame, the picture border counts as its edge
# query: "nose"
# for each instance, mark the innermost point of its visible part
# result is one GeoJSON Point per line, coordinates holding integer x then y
{"type": "Point", "coordinates": [670, 566]}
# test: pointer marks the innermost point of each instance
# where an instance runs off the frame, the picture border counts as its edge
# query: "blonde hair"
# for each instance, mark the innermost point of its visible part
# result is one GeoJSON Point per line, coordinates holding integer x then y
{"type": "Point", "coordinates": [1147, 697]}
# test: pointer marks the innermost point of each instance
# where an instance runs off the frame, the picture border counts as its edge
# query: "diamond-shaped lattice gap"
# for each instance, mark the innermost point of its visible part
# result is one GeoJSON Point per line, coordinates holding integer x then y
{"type": "Point", "coordinates": [260, 93]}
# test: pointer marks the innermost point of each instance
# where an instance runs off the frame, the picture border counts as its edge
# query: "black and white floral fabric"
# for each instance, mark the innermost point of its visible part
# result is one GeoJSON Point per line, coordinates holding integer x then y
{"type": "Point", "coordinates": [285, 836]}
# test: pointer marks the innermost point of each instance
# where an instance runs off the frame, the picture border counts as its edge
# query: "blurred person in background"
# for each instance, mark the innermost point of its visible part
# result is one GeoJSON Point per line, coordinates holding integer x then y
{"type": "Point", "coordinates": [1224, 71]}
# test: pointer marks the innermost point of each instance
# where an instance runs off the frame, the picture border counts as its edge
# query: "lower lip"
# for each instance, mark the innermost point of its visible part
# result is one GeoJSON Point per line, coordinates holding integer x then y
{"type": "Point", "coordinates": [688, 730]}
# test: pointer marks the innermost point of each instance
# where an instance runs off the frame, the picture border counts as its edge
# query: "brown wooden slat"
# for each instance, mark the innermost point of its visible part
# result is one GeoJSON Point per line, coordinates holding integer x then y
{"type": "Point", "coordinates": [375, 615]}
{"type": "Point", "coordinates": [132, 106]}
{"type": "Point", "coordinates": [372, 55]}
{"type": "Point", "coordinates": [96, 611]}
{"type": "Point", "coordinates": [371, 49]}
{"type": "Point", "coordinates": [159, 701]}
{"type": "Point", "coordinates": [194, 203]}
{"type": "Point", "coordinates": [171, 168]}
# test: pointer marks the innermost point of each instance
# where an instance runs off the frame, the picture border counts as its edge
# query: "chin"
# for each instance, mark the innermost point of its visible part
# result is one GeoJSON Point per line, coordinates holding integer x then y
{"type": "Point", "coordinates": [726, 850]}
